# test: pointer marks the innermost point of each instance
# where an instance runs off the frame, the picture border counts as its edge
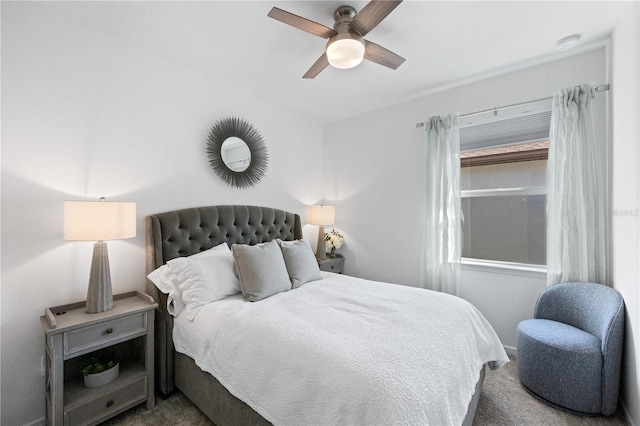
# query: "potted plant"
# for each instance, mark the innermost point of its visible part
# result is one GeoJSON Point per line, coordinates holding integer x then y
{"type": "Point", "coordinates": [100, 370]}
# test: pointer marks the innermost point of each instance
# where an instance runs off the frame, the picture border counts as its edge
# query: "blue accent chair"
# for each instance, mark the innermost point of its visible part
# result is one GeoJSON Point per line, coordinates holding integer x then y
{"type": "Point", "coordinates": [569, 355]}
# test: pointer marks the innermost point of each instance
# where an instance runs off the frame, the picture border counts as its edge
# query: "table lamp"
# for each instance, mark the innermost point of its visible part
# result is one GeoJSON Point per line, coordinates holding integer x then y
{"type": "Point", "coordinates": [99, 221]}
{"type": "Point", "coordinates": [321, 216]}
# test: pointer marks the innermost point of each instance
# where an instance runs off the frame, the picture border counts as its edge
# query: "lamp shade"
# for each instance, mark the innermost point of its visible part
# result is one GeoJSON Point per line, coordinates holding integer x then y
{"type": "Point", "coordinates": [322, 215]}
{"type": "Point", "coordinates": [99, 220]}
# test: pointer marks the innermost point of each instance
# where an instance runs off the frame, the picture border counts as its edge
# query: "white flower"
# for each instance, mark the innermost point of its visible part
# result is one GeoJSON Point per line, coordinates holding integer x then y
{"type": "Point", "coordinates": [333, 239]}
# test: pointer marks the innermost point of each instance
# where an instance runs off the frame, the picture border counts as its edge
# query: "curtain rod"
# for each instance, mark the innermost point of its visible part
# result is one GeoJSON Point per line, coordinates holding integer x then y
{"type": "Point", "coordinates": [600, 88]}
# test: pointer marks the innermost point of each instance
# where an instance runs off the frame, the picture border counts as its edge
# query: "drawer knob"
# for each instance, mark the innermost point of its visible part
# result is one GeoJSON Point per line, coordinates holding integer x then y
{"type": "Point", "coordinates": [108, 331]}
{"type": "Point", "coordinates": [110, 403]}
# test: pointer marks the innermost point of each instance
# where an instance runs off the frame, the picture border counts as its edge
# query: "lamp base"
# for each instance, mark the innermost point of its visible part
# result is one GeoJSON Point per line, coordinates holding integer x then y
{"type": "Point", "coordinates": [321, 250]}
{"type": "Point", "coordinates": [99, 296]}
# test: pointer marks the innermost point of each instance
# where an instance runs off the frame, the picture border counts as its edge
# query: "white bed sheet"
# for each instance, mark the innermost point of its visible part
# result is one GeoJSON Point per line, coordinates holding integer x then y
{"type": "Point", "coordinates": [343, 350]}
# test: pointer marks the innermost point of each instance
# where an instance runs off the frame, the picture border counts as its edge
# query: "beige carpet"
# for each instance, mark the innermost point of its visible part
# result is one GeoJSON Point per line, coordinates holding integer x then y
{"type": "Point", "coordinates": [503, 402]}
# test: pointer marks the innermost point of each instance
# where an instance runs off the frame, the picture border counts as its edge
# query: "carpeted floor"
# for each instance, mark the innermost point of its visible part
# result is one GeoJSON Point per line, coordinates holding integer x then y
{"type": "Point", "coordinates": [503, 402]}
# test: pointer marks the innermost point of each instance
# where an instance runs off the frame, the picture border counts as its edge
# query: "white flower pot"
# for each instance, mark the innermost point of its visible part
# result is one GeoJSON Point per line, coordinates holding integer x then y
{"type": "Point", "coordinates": [101, 379]}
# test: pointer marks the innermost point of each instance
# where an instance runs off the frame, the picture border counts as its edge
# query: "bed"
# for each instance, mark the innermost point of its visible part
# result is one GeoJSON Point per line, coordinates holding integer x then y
{"type": "Point", "coordinates": [303, 326]}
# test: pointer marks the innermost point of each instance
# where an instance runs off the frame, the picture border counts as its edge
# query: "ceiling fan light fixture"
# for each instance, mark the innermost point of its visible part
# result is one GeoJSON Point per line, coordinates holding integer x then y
{"type": "Point", "coordinates": [345, 51]}
{"type": "Point", "coordinates": [346, 48]}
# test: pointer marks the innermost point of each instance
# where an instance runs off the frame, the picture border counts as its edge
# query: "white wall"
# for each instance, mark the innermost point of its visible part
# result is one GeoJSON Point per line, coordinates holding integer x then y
{"type": "Point", "coordinates": [84, 115]}
{"type": "Point", "coordinates": [505, 297]}
{"type": "Point", "coordinates": [375, 178]}
{"type": "Point", "coordinates": [625, 112]}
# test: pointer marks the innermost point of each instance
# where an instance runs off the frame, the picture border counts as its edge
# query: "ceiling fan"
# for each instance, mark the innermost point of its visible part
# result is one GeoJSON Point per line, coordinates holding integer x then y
{"type": "Point", "coordinates": [346, 47]}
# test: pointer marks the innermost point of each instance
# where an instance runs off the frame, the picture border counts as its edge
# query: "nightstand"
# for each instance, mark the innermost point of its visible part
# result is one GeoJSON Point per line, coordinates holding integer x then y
{"type": "Point", "coordinates": [70, 333]}
{"type": "Point", "coordinates": [332, 264]}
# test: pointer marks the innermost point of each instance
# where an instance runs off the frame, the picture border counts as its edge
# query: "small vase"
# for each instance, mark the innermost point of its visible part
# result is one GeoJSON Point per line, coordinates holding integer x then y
{"type": "Point", "coordinates": [332, 253]}
{"type": "Point", "coordinates": [101, 379]}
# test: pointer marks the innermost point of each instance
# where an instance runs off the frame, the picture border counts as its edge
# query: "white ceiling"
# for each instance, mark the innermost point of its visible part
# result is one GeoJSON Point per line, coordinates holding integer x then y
{"type": "Point", "coordinates": [444, 43]}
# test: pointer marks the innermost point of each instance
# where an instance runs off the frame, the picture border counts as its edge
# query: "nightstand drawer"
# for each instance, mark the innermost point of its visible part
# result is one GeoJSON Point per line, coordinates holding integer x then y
{"type": "Point", "coordinates": [107, 404]}
{"type": "Point", "coordinates": [331, 267]}
{"type": "Point", "coordinates": [92, 337]}
{"type": "Point", "coordinates": [332, 264]}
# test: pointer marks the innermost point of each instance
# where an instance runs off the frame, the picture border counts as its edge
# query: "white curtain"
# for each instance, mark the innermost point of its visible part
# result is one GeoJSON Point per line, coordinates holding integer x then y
{"type": "Point", "coordinates": [575, 197]}
{"type": "Point", "coordinates": [441, 248]}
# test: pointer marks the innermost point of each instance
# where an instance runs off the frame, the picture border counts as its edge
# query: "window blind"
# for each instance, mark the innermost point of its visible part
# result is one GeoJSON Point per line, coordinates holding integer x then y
{"type": "Point", "coordinates": [505, 131]}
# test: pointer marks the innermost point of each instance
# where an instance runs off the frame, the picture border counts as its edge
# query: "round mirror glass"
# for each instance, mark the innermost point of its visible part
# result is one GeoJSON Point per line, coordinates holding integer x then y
{"type": "Point", "coordinates": [236, 154]}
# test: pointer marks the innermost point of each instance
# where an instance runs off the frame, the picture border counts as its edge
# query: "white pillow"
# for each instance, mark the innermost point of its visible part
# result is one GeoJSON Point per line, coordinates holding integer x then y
{"type": "Point", "coordinates": [167, 281]}
{"type": "Point", "coordinates": [204, 280]}
{"type": "Point", "coordinates": [220, 248]}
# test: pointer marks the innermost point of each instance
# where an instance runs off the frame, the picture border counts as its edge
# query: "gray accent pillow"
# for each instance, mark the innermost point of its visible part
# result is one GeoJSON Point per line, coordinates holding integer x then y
{"type": "Point", "coordinates": [301, 263]}
{"type": "Point", "coordinates": [261, 270]}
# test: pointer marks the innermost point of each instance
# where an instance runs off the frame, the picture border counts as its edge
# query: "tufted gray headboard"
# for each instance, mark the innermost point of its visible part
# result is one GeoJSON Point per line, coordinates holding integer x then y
{"type": "Point", "coordinates": [189, 231]}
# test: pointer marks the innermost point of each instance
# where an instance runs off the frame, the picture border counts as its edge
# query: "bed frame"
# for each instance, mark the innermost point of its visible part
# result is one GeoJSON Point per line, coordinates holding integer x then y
{"type": "Point", "coordinates": [190, 231]}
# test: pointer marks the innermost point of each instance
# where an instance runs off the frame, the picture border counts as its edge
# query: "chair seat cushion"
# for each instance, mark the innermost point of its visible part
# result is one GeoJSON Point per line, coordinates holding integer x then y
{"type": "Point", "coordinates": [561, 364]}
{"type": "Point", "coordinates": [561, 336]}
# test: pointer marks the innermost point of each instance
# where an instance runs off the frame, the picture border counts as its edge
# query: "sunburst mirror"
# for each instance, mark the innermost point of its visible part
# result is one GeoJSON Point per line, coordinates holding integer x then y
{"type": "Point", "coordinates": [237, 153]}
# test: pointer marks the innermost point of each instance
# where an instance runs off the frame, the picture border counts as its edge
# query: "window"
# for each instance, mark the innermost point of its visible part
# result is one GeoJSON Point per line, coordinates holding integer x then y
{"type": "Point", "coordinates": [503, 189]}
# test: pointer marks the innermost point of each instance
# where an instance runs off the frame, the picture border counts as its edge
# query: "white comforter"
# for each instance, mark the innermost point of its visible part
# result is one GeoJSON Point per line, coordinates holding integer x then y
{"type": "Point", "coordinates": [345, 351]}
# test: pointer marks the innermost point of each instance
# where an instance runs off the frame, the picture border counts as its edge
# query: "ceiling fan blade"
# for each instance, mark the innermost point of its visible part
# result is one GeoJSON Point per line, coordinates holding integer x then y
{"type": "Point", "coordinates": [301, 23]}
{"type": "Point", "coordinates": [372, 14]}
{"type": "Point", "coordinates": [378, 54]}
{"type": "Point", "coordinates": [317, 67]}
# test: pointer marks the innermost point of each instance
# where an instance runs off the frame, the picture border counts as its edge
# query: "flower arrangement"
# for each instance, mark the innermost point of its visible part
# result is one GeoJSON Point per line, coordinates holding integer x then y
{"type": "Point", "coordinates": [333, 241]}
